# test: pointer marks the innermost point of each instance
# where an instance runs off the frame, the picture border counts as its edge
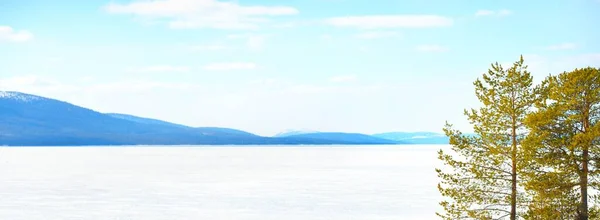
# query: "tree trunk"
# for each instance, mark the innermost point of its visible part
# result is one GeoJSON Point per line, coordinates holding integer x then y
{"type": "Point", "coordinates": [513, 194]}
{"type": "Point", "coordinates": [583, 206]}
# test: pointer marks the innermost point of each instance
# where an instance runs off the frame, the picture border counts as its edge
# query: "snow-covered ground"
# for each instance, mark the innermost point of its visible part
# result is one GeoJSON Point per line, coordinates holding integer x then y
{"type": "Point", "coordinates": [241, 183]}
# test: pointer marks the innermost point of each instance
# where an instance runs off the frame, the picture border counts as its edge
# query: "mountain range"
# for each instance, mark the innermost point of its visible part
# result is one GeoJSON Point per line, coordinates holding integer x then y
{"type": "Point", "coordinates": [31, 120]}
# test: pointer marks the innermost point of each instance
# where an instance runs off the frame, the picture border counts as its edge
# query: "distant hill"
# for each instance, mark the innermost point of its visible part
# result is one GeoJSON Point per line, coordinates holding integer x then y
{"type": "Point", "coordinates": [30, 120]}
{"type": "Point", "coordinates": [347, 138]}
{"type": "Point", "coordinates": [291, 132]}
{"type": "Point", "coordinates": [418, 137]}
{"type": "Point", "coordinates": [201, 130]}
{"type": "Point", "coordinates": [223, 131]}
{"type": "Point", "coordinates": [415, 137]}
{"type": "Point", "coordinates": [33, 120]}
{"type": "Point", "coordinates": [147, 121]}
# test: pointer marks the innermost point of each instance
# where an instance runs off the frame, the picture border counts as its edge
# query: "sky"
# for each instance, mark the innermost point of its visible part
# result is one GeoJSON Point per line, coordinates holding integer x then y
{"type": "Point", "coordinates": [268, 66]}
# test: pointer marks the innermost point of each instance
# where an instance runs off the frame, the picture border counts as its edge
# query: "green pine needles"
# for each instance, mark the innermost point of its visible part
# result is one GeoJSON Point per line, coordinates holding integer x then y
{"type": "Point", "coordinates": [535, 153]}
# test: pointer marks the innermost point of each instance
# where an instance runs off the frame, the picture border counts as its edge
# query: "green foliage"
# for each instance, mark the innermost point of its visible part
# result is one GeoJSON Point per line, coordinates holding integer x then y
{"type": "Point", "coordinates": [542, 165]}
{"type": "Point", "coordinates": [483, 180]}
{"type": "Point", "coordinates": [564, 145]}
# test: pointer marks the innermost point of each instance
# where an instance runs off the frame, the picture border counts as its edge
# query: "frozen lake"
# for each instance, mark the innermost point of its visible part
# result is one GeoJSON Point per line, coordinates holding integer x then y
{"type": "Point", "coordinates": [241, 183]}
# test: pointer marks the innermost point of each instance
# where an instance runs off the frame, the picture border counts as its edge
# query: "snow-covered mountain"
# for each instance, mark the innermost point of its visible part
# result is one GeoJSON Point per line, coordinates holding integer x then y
{"type": "Point", "coordinates": [291, 132]}
{"type": "Point", "coordinates": [349, 138]}
{"type": "Point", "coordinates": [399, 137]}
{"type": "Point", "coordinates": [415, 137]}
{"type": "Point", "coordinates": [17, 96]}
{"type": "Point", "coordinates": [30, 120]}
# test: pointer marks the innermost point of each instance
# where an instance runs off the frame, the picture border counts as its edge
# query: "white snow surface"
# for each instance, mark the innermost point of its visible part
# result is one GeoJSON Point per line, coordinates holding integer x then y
{"type": "Point", "coordinates": [241, 183]}
{"type": "Point", "coordinates": [18, 96]}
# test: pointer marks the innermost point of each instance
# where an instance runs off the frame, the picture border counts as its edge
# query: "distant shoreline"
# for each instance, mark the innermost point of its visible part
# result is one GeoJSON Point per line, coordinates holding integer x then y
{"type": "Point", "coordinates": [225, 145]}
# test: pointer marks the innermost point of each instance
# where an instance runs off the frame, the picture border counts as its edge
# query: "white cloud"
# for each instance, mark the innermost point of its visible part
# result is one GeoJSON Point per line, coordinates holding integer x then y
{"type": "Point", "coordinates": [161, 68]}
{"type": "Point", "coordinates": [390, 21]}
{"type": "Point", "coordinates": [238, 36]}
{"type": "Point", "coordinates": [563, 46]}
{"type": "Point", "coordinates": [377, 34]}
{"type": "Point", "coordinates": [56, 59]}
{"type": "Point", "coordinates": [285, 25]}
{"type": "Point", "coordinates": [202, 13]}
{"type": "Point", "coordinates": [25, 80]}
{"type": "Point", "coordinates": [345, 78]}
{"type": "Point", "coordinates": [87, 79]}
{"type": "Point", "coordinates": [588, 59]}
{"type": "Point", "coordinates": [138, 86]}
{"type": "Point", "coordinates": [431, 48]}
{"type": "Point", "coordinates": [568, 63]}
{"type": "Point", "coordinates": [364, 49]}
{"type": "Point", "coordinates": [36, 85]}
{"type": "Point", "coordinates": [211, 47]}
{"type": "Point", "coordinates": [502, 12]}
{"type": "Point", "coordinates": [309, 89]}
{"type": "Point", "coordinates": [254, 42]}
{"type": "Point", "coordinates": [9, 34]}
{"type": "Point", "coordinates": [540, 66]}
{"type": "Point", "coordinates": [326, 37]}
{"type": "Point", "coordinates": [296, 23]}
{"type": "Point", "coordinates": [230, 66]}
{"type": "Point", "coordinates": [484, 13]}
{"type": "Point", "coordinates": [41, 85]}
{"type": "Point", "coordinates": [264, 82]}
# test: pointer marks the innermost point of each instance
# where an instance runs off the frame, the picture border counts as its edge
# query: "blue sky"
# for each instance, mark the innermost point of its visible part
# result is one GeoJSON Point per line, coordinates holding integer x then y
{"type": "Point", "coordinates": [261, 66]}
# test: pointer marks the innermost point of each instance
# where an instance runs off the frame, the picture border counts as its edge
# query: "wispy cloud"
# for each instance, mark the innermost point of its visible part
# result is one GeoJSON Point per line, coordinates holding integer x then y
{"type": "Point", "coordinates": [344, 78]}
{"type": "Point", "coordinates": [256, 42]}
{"type": "Point", "coordinates": [284, 25]}
{"type": "Point", "coordinates": [563, 46]}
{"type": "Point", "coordinates": [377, 34]}
{"type": "Point", "coordinates": [210, 47]}
{"type": "Point", "coordinates": [308, 89]}
{"type": "Point", "coordinates": [541, 65]}
{"type": "Point", "coordinates": [484, 12]}
{"type": "Point", "coordinates": [253, 41]}
{"type": "Point", "coordinates": [202, 13]}
{"type": "Point", "coordinates": [431, 48]}
{"type": "Point", "coordinates": [160, 68]}
{"type": "Point", "coordinates": [84, 89]}
{"type": "Point", "coordinates": [267, 81]}
{"type": "Point", "coordinates": [27, 80]}
{"type": "Point", "coordinates": [138, 86]}
{"type": "Point", "coordinates": [326, 37]}
{"type": "Point", "coordinates": [390, 21]}
{"type": "Point", "coordinates": [9, 34]}
{"type": "Point", "coordinates": [230, 66]}
{"type": "Point", "coordinates": [364, 49]}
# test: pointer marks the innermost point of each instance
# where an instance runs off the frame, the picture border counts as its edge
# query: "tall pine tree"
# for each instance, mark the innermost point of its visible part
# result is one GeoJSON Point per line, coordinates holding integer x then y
{"type": "Point", "coordinates": [483, 182]}
{"type": "Point", "coordinates": [565, 144]}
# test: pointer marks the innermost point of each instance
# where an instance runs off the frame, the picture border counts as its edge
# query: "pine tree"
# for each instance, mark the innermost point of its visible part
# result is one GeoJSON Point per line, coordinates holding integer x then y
{"type": "Point", "coordinates": [483, 182]}
{"type": "Point", "coordinates": [565, 144]}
